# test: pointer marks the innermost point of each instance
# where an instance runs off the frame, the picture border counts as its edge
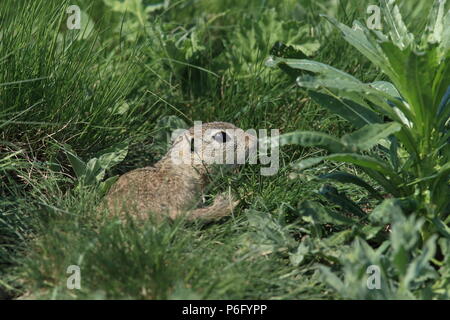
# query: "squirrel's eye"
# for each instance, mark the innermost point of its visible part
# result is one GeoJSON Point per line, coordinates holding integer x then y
{"type": "Point", "coordinates": [221, 137]}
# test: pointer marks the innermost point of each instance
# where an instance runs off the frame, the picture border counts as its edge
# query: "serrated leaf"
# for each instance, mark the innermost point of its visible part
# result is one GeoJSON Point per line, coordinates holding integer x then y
{"type": "Point", "coordinates": [332, 279]}
{"type": "Point", "coordinates": [315, 213]}
{"type": "Point", "coordinates": [400, 260]}
{"type": "Point", "coordinates": [420, 267]}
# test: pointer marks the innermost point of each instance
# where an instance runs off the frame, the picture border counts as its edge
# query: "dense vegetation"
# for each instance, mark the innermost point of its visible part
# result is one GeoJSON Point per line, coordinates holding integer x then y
{"type": "Point", "coordinates": [360, 183]}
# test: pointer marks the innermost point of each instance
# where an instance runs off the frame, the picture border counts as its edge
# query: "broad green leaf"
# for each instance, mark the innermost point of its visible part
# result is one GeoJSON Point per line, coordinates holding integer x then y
{"type": "Point", "coordinates": [368, 136]}
{"type": "Point", "coordinates": [312, 66]}
{"type": "Point", "coordinates": [299, 255]}
{"type": "Point", "coordinates": [420, 268]}
{"type": "Point", "coordinates": [339, 198]}
{"type": "Point", "coordinates": [384, 181]}
{"type": "Point", "coordinates": [397, 60]}
{"type": "Point", "coordinates": [357, 38]}
{"type": "Point", "coordinates": [345, 177]}
{"type": "Point", "coordinates": [405, 236]}
{"type": "Point", "coordinates": [442, 228]}
{"type": "Point", "coordinates": [312, 82]}
{"type": "Point", "coordinates": [419, 80]}
{"type": "Point", "coordinates": [315, 213]}
{"type": "Point", "coordinates": [311, 139]}
{"type": "Point", "coordinates": [112, 156]}
{"type": "Point", "coordinates": [94, 170]}
{"type": "Point", "coordinates": [78, 166]}
{"type": "Point", "coordinates": [282, 50]}
{"type": "Point", "coordinates": [96, 167]}
{"type": "Point", "coordinates": [397, 29]}
{"type": "Point", "coordinates": [339, 238]}
{"type": "Point", "coordinates": [369, 231]}
{"type": "Point", "coordinates": [386, 87]}
{"type": "Point", "coordinates": [353, 158]}
{"type": "Point", "coordinates": [445, 44]}
{"type": "Point", "coordinates": [358, 92]}
{"type": "Point", "coordinates": [93, 174]}
{"type": "Point", "coordinates": [400, 260]}
{"type": "Point", "coordinates": [107, 184]}
{"type": "Point", "coordinates": [382, 214]}
{"type": "Point", "coordinates": [363, 161]}
{"type": "Point", "coordinates": [355, 113]}
{"type": "Point", "coordinates": [435, 28]}
{"type": "Point", "coordinates": [393, 153]}
{"type": "Point", "coordinates": [347, 85]}
{"type": "Point", "coordinates": [405, 230]}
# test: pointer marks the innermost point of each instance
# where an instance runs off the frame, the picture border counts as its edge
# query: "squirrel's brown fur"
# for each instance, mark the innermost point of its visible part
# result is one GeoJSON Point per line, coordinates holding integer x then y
{"type": "Point", "coordinates": [172, 189]}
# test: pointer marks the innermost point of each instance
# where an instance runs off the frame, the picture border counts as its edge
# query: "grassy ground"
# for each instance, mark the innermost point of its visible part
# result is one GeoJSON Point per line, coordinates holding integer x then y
{"type": "Point", "coordinates": [128, 78]}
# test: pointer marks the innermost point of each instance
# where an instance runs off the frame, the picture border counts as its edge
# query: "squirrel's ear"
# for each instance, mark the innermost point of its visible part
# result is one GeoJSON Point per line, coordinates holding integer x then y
{"type": "Point", "coordinates": [192, 145]}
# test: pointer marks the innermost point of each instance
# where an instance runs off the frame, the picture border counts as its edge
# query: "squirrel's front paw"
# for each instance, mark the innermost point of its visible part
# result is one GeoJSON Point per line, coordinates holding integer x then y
{"type": "Point", "coordinates": [226, 200]}
{"type": "Point", "coordinates": [222, 206]}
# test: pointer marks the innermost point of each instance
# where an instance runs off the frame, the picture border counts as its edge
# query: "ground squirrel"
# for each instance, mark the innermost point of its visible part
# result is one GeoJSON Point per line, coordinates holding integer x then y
{"type": "Point", "coordinates": [174, 185]}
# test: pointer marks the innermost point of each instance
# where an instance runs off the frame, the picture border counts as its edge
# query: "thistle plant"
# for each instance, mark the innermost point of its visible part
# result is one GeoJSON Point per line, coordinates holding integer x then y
{"type": "Point", "coordinates": [402, 138]}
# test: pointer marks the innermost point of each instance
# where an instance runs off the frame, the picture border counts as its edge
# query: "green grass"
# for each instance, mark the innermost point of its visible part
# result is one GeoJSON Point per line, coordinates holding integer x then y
{"type": "Point", "coordinates": [195, 60]}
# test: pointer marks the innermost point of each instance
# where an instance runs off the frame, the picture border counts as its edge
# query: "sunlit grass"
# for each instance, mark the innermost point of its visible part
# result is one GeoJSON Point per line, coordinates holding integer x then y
{"type": "Point", "coordinates": [115, 85]}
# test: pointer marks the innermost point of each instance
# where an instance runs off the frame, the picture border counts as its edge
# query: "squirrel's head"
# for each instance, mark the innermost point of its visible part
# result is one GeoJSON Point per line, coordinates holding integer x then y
{"type": "Point", "coordinates": [213, 143]}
